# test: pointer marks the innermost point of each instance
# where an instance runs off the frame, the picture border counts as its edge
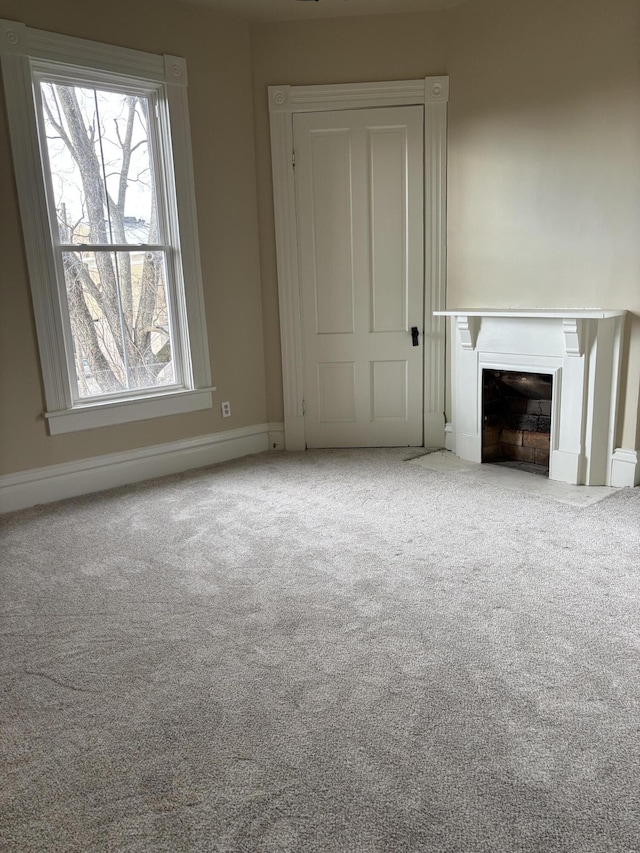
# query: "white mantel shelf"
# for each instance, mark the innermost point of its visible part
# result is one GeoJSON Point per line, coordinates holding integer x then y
{"type": "Point", "coordinates": [551, 313]}
{"type": "Point", "coordinates": [579, 348]}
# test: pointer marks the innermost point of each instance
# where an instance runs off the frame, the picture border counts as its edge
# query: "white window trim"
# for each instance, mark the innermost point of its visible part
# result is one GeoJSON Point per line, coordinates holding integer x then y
{"type": "Point", "coordinates": [19, 45]}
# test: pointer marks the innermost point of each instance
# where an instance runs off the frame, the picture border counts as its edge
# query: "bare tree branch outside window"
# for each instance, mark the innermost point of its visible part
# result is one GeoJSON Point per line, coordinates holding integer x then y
{"type": "Point", "coordinates": [102, 173]}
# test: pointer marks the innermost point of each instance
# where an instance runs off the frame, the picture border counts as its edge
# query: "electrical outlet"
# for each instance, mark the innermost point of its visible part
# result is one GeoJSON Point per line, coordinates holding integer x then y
{"type": "Point", "coordinates": [226, 409]}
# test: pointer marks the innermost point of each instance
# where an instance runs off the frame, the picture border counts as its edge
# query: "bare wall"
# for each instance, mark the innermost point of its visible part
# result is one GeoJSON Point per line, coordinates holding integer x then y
{"type": "Point", "coordinates": [217, 51]}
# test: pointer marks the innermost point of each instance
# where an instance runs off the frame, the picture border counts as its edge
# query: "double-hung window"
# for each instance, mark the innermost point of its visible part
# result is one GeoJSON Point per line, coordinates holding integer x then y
{"type": "Point", "coordinates": [103, 165]}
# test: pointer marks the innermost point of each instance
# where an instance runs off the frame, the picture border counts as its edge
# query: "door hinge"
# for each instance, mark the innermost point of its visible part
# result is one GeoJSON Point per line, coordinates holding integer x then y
{"type": "Point", "coordinates": [304, 408]}
{"type": "Point", "coordinates": [293, 159]}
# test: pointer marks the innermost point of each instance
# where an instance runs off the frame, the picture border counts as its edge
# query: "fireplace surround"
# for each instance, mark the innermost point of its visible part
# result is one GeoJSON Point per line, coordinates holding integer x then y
{"type": "Point", "coordinates": [577, 349]}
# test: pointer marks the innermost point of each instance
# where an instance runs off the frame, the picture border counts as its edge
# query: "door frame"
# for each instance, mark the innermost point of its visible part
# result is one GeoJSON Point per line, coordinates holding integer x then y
{"type": "Point", "coordinates": [284, 101]}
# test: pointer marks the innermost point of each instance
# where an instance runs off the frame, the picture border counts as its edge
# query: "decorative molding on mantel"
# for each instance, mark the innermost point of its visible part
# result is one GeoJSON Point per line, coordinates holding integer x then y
{"type": "Point", "coordinates": [573, 335]}
{"type": "Point", "coordinates": [541, 313]}
{"type": "Point", "coordinates": [468, 329]}
{"type": "Point", "coordinates": [468, 322]}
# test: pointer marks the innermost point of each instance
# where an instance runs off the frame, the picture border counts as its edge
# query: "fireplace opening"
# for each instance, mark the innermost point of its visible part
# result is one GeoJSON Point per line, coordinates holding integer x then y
{"type": "Point", "coordinates": [516, 419]}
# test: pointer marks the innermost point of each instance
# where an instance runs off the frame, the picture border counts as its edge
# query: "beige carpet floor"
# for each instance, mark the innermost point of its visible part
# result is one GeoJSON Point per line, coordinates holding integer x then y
{"type": "Point", "coordinates": [325, 652]}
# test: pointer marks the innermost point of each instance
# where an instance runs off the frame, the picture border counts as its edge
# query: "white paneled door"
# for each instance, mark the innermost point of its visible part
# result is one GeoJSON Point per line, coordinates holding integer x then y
{"type": "Point", "coordinates": [359, 201]}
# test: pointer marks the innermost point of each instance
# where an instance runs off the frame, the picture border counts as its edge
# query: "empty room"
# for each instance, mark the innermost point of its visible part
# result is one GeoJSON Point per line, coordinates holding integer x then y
{"type": "Point", "coordinates": [320, 426]}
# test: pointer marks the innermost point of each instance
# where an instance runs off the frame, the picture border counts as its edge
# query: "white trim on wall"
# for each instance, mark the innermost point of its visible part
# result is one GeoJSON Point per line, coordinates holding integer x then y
{"type": "Point", "coordinates": [625, 468]}
{"type": "Point", "coordinates": [127, 411]}
{"type": "Point", "coordinates": [284, 101]}
{"type": "Point", "coordinates": [276, 436]}
{"type": "Point", "coordinates": [449, 437]}
{"type": "Point", "coordinates": [56, 482]}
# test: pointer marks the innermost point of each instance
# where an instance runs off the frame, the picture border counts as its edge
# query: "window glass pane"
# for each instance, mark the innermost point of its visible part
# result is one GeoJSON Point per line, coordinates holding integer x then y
{"type": "Point", "coordinates": [120, 321]}
{"type": "Point", "coordinates": [102, 177]}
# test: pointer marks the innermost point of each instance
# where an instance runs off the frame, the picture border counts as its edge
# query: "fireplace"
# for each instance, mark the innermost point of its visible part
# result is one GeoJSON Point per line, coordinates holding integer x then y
{"type": "Point", "coordinates": [571, 356]}
{"type": "Point", "coordinates": [516, 419]}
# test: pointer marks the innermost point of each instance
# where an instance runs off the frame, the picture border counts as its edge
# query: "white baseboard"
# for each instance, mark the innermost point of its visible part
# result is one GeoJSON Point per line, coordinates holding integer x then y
{"type": "Point", "coordinates": [449, 438]}
{"type": "Point", "coordinates": [625, 468]}
{"type": "Point", "coordinates": [55, 482]}
{"type": "Point", "coordinates": [276, 436]}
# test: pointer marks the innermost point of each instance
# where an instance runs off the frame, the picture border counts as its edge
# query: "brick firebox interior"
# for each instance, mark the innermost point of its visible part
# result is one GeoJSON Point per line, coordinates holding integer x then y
{"type": "Point", "coordinates": [516, 417]}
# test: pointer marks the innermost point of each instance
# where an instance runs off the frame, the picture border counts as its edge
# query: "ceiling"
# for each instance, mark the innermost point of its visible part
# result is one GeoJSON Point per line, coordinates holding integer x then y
{"type": "Point", "coordinates": [308, 10]}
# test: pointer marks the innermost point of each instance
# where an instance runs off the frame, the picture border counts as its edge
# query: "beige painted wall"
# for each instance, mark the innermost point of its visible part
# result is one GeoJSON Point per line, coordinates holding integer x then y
{"type": "Point", "coordinates": [220, 98]}
{"type": "Point", "coordinates": [544, 147]}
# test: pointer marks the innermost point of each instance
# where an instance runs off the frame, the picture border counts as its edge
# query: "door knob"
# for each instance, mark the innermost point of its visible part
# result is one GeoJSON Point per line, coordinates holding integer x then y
{"type": "Point", "coordinates": [415, 334]}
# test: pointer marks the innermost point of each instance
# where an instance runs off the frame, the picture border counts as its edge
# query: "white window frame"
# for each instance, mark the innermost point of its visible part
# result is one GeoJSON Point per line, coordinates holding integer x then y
{"type": "Point", "coordinates": [22, 48]}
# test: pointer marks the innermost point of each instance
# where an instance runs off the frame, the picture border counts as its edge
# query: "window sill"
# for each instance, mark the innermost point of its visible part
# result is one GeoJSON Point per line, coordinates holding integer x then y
{"type": "Point", "coordinates": [126, 411]}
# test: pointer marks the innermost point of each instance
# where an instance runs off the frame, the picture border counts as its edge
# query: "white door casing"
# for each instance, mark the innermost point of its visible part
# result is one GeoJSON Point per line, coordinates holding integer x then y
{"type": "Point", "coordinates": [284, 103]}
{"type": "Point", "coordinates": [359, 203]}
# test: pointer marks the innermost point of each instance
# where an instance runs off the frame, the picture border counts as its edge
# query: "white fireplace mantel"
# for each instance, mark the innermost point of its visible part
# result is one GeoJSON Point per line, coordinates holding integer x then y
{"type": "Point", "coordinates": [578, 347]}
